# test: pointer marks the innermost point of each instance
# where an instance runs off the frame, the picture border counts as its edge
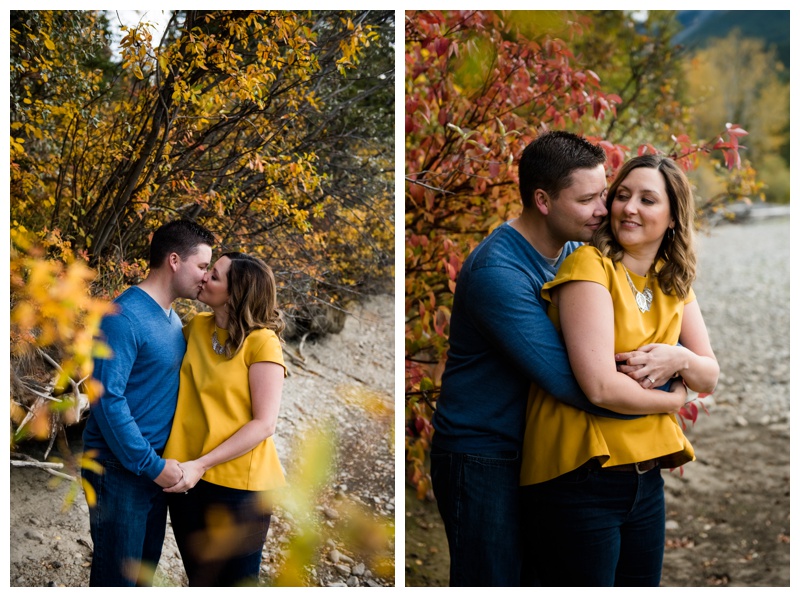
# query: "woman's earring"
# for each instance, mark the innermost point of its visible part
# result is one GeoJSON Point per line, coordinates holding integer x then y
{"type": "Point", "coordinates": [670, 234]}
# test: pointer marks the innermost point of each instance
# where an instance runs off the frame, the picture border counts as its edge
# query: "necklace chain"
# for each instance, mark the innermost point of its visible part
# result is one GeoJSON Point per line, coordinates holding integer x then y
{"type": "Point", "coordinates": [643, 299]}
{"type": "Point", "coordinates": [218, 348]}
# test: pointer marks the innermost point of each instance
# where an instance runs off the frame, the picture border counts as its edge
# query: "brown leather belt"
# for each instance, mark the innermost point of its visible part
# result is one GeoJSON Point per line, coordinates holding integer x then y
{"type": "Point", "coordinates": [634, 467]}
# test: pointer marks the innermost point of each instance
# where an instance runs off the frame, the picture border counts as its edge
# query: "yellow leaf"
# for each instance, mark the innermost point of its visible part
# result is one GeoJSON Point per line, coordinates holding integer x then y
{"type": "Point", "coordinates": [91, 495]}
{"type": "Point", "coordinates": [101, 350]}
{"type": "Point", "coordinates": [49, 44]}
{"type": "Point", "coordinates": [137, 71]}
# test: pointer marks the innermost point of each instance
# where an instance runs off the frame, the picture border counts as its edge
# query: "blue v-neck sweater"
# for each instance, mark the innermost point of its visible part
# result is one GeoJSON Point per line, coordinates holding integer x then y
{"type": "Point", "coordinates": [131, 421]}
{"type": "Point", "coordinates": [502, 341]}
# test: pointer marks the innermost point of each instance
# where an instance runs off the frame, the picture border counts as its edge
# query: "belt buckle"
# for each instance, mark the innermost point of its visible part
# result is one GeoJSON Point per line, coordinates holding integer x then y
{"type": "Point", "coordinates": [642, 472]}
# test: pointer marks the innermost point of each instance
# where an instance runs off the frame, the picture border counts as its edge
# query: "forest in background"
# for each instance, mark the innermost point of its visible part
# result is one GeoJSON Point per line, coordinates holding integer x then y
{"type": "Point", "coordinates": [274, 129]}
{"type": "Point", "coordinates": [700, 27]}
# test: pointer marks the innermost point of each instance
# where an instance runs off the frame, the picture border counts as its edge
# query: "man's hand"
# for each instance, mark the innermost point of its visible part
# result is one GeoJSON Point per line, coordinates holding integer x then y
{"type": "Point", "coordinates": [170, 475]}
{"type": "Point", "coordinates": [678, 389]}
{"type": "Point", "coordinates": [192, 473]}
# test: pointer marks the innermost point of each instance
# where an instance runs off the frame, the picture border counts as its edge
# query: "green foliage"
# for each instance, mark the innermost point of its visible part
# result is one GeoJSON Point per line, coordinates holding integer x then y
{"type": "Point", "coordinates": [637, 59]}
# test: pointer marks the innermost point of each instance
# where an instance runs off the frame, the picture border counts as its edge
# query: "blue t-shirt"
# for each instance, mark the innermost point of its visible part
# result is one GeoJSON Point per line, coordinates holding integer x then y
{"type": "Point", "coordinates": [501, 341]}
{"type": "Point", "coordinates": [131, 421]}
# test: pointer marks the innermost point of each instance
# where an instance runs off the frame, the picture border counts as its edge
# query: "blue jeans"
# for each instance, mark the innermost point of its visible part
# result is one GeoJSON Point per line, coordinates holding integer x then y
{"type": "Point", "coordinates": [596, 528]}
{"type": "Point", "coordinates": [478, 499]}
{"type": "Point", "coordinates": [220, 532]}
{"type": "Point", "coordinates": [128, 522]}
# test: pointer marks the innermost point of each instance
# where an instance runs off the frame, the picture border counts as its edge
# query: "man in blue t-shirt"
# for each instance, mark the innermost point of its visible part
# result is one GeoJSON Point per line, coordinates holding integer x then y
{"type": "Point", "coordinates": [501, 341]}
{"type": "Point", "coordinates": [129, 424]}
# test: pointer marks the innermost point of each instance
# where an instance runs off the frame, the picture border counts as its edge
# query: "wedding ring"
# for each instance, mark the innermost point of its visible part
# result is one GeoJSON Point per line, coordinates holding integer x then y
{"type": "Point", "coordinates": [652, 381]}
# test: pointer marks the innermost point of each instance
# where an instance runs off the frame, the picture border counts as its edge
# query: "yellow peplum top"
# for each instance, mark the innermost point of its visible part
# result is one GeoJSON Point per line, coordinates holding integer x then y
{"type": "Point", "coordinates": [560, 438]}
{"type": "Point", "coordinates": [214, 402]}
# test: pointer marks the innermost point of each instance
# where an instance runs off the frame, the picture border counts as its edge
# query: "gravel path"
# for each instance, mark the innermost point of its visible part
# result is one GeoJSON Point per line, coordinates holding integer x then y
{"type": "Point", "coordinates": [728, 512]}
{"type": "Point", "coordinates": [743, 290]}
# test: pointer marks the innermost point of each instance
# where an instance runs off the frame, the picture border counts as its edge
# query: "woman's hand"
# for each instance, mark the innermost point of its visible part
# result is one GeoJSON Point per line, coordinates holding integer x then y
{"type": "Point", "coordinates": [192, 473]}
{"type": "Point", "coordinates": [693, 359]}
{"type": "Point", "coordinates": [652, 365]}
{"type": "Point", "coordinates": [266, 384]}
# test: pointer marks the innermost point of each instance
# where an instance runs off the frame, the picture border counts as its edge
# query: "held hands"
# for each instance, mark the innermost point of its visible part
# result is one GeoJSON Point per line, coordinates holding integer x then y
{"type": "Point", "coordinates": [170, 475]}
{"type": "Point", "coordinates": [651, 365]}
{"type": "Point", "coordinates": [192, 471]}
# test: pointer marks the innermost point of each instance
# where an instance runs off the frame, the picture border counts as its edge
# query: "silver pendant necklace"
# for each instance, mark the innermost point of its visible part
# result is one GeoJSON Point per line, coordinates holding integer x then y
{"type": "Point", "coordinates": [643, 299]}
{"type": "Point", "coordinates": [218, 348]}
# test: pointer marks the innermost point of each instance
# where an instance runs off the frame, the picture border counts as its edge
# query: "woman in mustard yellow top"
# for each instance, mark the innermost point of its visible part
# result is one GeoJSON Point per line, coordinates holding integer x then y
{"type": "Point", "coordinates": [230, 392]}
{"type": "Point", "coordinates": [592, 488]}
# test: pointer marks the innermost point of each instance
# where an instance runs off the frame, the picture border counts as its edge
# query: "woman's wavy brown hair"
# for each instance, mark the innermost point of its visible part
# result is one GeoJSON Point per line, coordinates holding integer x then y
{"type": "Point", "coordinates": [253, 300]}
{"type": "Point", "coordinates": [680, 260]}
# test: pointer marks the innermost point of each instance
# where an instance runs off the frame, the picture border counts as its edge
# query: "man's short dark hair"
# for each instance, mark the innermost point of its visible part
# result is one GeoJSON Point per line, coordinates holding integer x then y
{"type": "Point", "coordinates": [548, 162]}
{"type": "Point", "coordinates": [181, 237]}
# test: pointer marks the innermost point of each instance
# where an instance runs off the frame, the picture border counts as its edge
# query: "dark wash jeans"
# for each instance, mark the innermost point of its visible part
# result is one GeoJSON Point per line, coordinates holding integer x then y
{"type": "Point", "coordinates": [128, 523]}
{"type": "Point", "coordinates": [591, 527]}
{"type": "Point", "coordinates": [220, 532]}
{"type": "Point", "coordinates": [478, 499]}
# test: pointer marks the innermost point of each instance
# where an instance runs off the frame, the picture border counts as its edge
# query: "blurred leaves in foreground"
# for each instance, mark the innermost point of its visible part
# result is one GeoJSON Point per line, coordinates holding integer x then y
{"type": "Point", "coordinates": [54, 321]}
{"type": "Point", "coordinates": [356, 526]}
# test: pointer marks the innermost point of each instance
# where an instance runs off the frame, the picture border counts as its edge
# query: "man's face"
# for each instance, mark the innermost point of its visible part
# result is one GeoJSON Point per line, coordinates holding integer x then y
{"type": "Point", "coordinates": [191, 272]}
{"type": "Point", "coordinates": [579, 208]}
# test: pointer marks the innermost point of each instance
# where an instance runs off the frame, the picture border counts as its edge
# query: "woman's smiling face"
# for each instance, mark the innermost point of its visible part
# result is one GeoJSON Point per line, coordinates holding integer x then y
{"type": "Point", "coordinates": [215, 290]}
{"type": "Point", "coordinates": [640, 211]}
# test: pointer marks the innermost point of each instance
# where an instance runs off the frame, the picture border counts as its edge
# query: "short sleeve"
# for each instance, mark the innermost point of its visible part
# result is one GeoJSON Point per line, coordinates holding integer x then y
{"type": "Point", "coordinates": [690, 296]}
{"type": "Point", "coordinates": [264, 346]}
{"type": "Point", "coordinates": [188, 328]}
{"type": "Point", "coordinates": [586, 264]}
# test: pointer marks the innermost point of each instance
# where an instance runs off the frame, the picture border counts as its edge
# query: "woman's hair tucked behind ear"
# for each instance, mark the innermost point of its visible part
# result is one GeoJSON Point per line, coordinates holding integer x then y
{"type": "Point", "coordinates": [253, 300]}
{"type": "Point", "coordinates": [677, 249]}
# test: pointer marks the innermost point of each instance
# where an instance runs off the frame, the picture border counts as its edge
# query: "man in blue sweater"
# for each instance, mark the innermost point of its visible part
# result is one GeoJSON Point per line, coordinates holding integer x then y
{"type": "Point", "coordinates": [129, 424]}
{"type": "Point", "coordinates": [501, 341]}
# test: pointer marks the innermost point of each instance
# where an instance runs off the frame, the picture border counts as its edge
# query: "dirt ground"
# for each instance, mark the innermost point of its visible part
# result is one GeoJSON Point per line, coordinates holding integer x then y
{"type": "Point", "coordinates": [728, 514]}
{"type": "Point", "coordinates": [346, 379]}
